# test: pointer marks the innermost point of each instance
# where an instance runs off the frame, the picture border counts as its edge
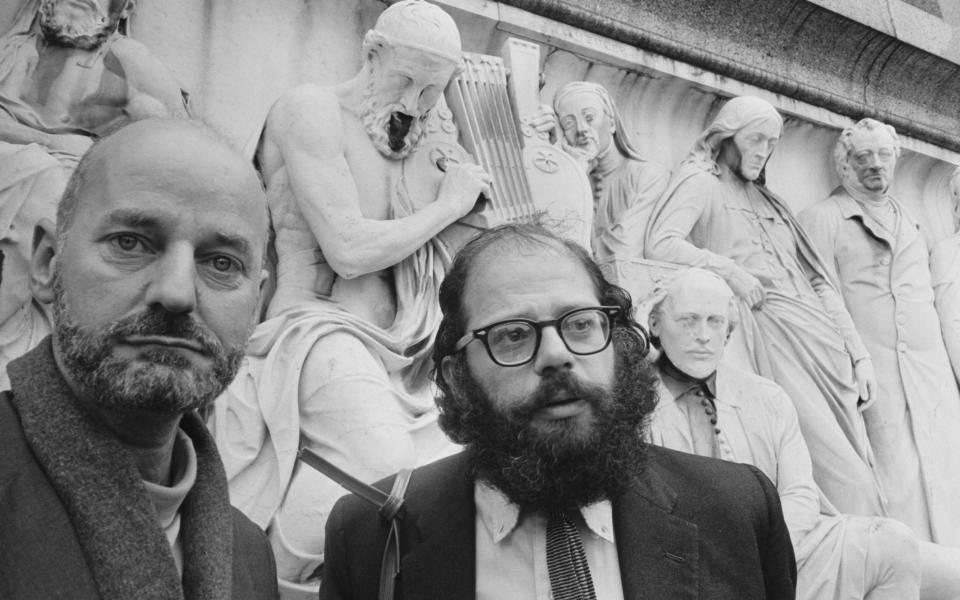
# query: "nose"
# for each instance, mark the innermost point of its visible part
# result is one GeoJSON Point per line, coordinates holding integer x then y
{"type": "Point", "coordinates": [553, 353]}
{"type": "Point", "coordinates": [410, 100]}
{"type": "Point", "coordinates": [702, 332]}
{"type": "Point", "coordinates": [173, 281]}
{"type": "Point", "coordinates": [583, 128]}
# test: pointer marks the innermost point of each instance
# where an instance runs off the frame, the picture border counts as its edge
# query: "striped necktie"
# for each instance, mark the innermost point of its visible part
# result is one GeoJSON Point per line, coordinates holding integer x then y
{"type": "Point", "coordinates": [566, 561]}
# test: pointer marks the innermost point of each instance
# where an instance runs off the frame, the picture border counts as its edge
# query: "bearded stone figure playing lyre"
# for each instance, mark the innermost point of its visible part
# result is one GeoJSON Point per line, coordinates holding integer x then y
{"type": "Point", "coordinates": [341, 363]}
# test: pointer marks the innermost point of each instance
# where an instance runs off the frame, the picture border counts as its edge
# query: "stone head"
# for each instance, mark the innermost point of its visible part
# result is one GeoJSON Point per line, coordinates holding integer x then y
{"type": "Point", "coordinates": [691, 318]}
{"type": "Point", "coordinates": [742, 136]}
{"type": "Point", "coordinates": [586, 116]}
{"type": "Point", "coordinates": [83, 24]}
{"type": "Point", "coordinates": [155, 267]}
{"type": "Point", "coordinates": [866, 155]}
{"type": "Point", "coordinates": [410, 56]}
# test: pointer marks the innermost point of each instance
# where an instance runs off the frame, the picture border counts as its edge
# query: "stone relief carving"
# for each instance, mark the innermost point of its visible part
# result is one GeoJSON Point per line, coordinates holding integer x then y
{"type": "Point", "coordinates": [341, 363]}
{"type": "Point", "coordinates": [945, 277]}
{"type": "Point", "coordinates": [874, 251]}
{"type": "Point", "coordinates": [717, 214]}
{"type": "Point", "coordinates": [657, 116]}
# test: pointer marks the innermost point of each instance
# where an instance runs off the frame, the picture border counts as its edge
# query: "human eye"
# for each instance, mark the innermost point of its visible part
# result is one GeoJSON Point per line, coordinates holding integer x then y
{"type": "Point", "coordinates": [568, 123]}
{"type": "Point", "coordinates": [716, 322]}
{"type": "Point", "coordinates": [509, 336]}
{"type": "Point", "coordinates": [128, 243]}
{"type": "Point", "coordinates": [223, 268]}
{"type": "Point", "coordinates": [580, 323]}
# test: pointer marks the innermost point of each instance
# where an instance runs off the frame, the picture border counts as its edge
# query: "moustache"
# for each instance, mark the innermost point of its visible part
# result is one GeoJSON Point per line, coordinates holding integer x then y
{"type": "Point", "coordinates": [563, 385]}
{"type": "Point", "coordinates": [159, 322]}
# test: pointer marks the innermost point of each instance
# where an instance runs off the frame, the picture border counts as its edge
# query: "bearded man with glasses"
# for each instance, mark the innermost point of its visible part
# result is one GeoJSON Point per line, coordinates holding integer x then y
{"type": "Point", "coordinates": [543, 378]}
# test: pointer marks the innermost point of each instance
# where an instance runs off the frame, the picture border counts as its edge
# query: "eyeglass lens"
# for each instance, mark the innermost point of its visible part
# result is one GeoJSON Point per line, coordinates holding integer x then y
{"type": "Point", "coordinates": [583, 332]}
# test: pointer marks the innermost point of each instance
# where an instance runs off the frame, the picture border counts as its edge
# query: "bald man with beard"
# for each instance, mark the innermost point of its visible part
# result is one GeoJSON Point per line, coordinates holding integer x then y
{"type": "Point", "coordinates": [112, 487]}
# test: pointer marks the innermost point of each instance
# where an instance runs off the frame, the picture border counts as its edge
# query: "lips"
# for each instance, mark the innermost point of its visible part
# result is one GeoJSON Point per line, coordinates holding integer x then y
{"type": "Point", "coordinates": [168, 341]}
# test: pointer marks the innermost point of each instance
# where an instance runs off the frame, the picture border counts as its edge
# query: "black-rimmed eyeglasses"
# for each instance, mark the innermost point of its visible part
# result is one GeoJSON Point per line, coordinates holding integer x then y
{"type": "Point", "coordinates": [515, 342]}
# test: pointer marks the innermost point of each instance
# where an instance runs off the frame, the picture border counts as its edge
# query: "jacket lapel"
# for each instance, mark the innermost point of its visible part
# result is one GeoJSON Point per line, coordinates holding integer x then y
{"type": "Point", "coordinates": [95, 477]}
{"type": "Point", "coordinates": [441, 561]}
{"type": "Point", "coordinates": [659, 552]}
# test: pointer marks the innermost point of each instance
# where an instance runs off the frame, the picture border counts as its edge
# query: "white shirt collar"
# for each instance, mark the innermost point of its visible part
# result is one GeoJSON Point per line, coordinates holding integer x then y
{"type": "Point", "coordinates": [500, 516]}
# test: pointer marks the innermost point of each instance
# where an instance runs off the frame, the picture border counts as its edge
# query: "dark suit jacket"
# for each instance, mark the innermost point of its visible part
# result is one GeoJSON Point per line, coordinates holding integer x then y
{"type": "Point", "coordinates": [41, 554]}
{"type": "Point", "coordinates": [689, 527]}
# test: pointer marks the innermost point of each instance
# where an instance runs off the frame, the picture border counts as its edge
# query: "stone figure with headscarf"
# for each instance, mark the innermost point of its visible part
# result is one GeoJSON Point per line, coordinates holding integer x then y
{"type": "Point", "coordinates": [625, 185]}
{"type": "Point", "coordinates": [341, 363]}
{"type": "Point", "coordinates": [718, 215]}
{"type": "Point", "coordinates": [67, 77]}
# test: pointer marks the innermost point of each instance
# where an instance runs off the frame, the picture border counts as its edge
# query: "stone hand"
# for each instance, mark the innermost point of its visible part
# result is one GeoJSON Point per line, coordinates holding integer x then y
{"type": "Point", "coordinates": [748, 288]}
{"type": "Point", "coordinates": [866, 380]}
{"type": "Point", "coordinates": [544, 123]}
{"type": "Point", "coordinates": [463, 185]}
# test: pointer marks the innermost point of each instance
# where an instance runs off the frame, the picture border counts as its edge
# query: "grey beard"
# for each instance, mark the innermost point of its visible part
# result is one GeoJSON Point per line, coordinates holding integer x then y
{"type": "Point", "coordinates": [376, 122]}
{"type": "Point", "coordinates": [88, 34]}
{"type": "Point", "coordinates": [165, 383]}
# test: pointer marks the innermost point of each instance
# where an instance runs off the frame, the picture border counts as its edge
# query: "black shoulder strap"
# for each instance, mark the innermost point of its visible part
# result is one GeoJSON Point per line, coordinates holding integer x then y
{"type": "Point", "coordinates": [388, 506]}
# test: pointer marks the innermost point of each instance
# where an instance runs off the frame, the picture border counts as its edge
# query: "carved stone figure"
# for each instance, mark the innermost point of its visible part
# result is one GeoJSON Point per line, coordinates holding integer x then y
{"type": "Point", "coordinates": [625, 185]}
{"type": "Point", "coordinates": [714, 409]}
{"type": "Point", "coordinates": [341, 363]}
{"type": "Point", "coordinates": [716, 214]}
{"type": "Point", "coordinates": [67, 77]}
{"type": "Point", "coordinates": [945, 277]}
{"type": "Point", "coordinates": [873, 248]}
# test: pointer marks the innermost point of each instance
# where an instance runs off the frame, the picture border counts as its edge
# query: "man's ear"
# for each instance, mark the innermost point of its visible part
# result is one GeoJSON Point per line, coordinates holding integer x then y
{"type": "Point", "coordinates": [446, 371]}
{"type": "Point", "coordinates": [654, 322]}
{"type": "Point", "coordinates": [43, 260]}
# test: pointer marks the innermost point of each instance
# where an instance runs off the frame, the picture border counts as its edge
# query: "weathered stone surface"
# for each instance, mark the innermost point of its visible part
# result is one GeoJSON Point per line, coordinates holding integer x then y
{"type": "Point", "coordinates": [791, 47]}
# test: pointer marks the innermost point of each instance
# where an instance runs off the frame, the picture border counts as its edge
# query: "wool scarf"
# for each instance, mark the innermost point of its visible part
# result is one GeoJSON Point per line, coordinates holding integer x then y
{"type": "Point", "coordinates": [96, 479]}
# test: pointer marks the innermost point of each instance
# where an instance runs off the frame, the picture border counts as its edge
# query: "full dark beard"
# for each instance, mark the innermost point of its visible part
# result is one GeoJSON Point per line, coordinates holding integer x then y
{"type": "Point", "coordinates": [560, 468]}
{"type": "Point", "coordinates": [161, 381]}
{"type": "Point", "coordinates": [87, 34]}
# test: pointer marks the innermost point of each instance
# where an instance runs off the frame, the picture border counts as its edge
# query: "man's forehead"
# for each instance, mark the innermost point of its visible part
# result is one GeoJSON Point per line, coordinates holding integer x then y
{"type": "Point", "coordinates": [532, 269]}
{"type": "Point", "coordinates": [578, 101]}
{"type": "Point", "coordinates": [769, 127]}
{"type": "Point", "coordinates": [866, 138]}
{"type": "Point", "coordinates": [111, 6]}
{"type": "Point", "coordinates": [419, 62]}
{"type": "Point", "coordinates": [702, 291]}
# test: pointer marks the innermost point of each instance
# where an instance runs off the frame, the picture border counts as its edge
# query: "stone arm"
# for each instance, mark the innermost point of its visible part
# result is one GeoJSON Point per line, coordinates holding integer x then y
{"type": "Point", "coordinates": [823, 230]}
{"type": "Point", "coordinates": [152, 90]}
{"type": "Point", "coordinates": [821, 223]}
{"type": "Point", "coordinates": [306, 125]}
{"type": "Point", "coordinates": [15, 132]}
{"type": "Point", "coordinates": [794, 477]}
{"type": "Point", "coordinates": [675, 216]}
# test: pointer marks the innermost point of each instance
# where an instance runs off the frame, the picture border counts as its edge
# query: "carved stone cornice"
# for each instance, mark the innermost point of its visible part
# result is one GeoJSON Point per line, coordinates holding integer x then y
{"type": "Point", "coordinates": [790, 47]}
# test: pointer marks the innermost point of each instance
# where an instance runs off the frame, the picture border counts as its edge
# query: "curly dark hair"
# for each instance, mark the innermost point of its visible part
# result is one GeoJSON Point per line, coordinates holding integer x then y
{"type": "Point", "coordinates": [516, 236]}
